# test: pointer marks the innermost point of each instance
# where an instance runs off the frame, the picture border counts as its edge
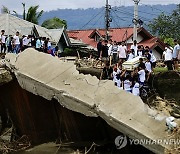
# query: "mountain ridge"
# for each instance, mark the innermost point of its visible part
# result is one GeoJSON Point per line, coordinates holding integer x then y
{"type": "Point", "coordinates": [94, 17]}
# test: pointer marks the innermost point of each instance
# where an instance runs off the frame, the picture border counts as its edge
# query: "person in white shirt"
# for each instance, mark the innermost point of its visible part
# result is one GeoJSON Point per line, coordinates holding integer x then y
{"type": "Point", "coordinates": [176, 51]}
{"type": "Point", "coordinates": [122, 51]}
{"type": "Point", "coordinates": [115, 74]}
{"type": "Point", "coordinates": [114, 51]}
{"type": "Point", "coordinates": [135, 89]}
{"type": "Point", "coordinates": [130, 55]}
{"type": "Point", "coordinates": [167, 56]}
{"type": "Point", "coordinates": [3, 41]}
{"type": "Point", "coordinates": [26, 42]}
{"type": "Point", "coordinates": [139, 52]}
{"type": "Point", "coordinates": [142, 76]}
{"type": "Point", "coordinates": [49, 44]}
{"type": "Point", "coordinates": [16, 43]}
{"type": "Point", "coordinates": [134, 46]}
{"type": "Point", "coordinates": [127, 84]}
{"type": "Point", "coordinates": [110, 45]}
{"type": "Point", "coordinates": [148, 68]}
{"type": "Point", "coordinates": [153, 60]}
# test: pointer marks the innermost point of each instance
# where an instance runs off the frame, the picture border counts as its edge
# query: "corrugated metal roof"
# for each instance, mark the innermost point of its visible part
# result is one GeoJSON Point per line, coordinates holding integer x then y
{"type": "Point", "coordinates": [11, 24]}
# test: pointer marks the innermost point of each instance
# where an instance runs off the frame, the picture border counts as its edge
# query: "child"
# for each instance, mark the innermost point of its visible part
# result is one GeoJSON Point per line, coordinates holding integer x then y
{"type": "Point", "coordinates": [127, 84]}
{"type": "Point", "coordinates": [135, 89]}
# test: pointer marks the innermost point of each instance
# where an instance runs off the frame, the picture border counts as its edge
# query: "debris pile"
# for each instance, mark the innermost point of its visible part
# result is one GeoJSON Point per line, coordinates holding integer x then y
{"type": "Point", "coordinates": [168, 106]}
{"type": "Point", "coordinates": [7, 146]}
{"type": "Point", "coordinates": [89, 63]}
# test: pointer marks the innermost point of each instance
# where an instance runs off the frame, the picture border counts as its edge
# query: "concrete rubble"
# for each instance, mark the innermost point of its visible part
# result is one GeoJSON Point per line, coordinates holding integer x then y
{"type": "Point", "coordinates": [51, 78]}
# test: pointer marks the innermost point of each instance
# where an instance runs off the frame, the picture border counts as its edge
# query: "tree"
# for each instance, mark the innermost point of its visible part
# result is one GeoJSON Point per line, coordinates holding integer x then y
{"type": "Point", "coordinates": [5, 10]}
{"type": "Point", "coordinates": [167, 26]}
{"type": "Point", "coordinates": [32, 15]}
{"type": "Point", "coordinates": [54, 23]}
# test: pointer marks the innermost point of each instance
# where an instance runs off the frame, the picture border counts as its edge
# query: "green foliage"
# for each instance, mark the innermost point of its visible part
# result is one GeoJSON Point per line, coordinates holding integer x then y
{"type": "Point", "coordinates": [169, 41]}
{"type": "Point", "coordinates": [69, 52]}
{"type": "Point", "coordinates": [32, 14]}
{"type": "Point", "coordinates": [167, 26]}
{"type": "Point", "coordinates": [54, 23]}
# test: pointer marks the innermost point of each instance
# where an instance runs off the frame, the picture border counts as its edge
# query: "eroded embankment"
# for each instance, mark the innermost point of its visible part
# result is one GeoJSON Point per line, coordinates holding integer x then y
{"type": "Point", "coordinates": [48, 77]}
{"type": "Point", "coordinates": [168, 85]}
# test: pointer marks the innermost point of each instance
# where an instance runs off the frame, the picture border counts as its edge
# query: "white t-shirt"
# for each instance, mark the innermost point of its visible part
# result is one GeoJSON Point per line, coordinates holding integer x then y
{"type": "Point", "coordinates": [42, 43]}
{"type": "Point", "coordinates": [114, 48]}
{"type": "Point", "coordinates": [127, 85]}
{"type": "Point", "coordinates": [153, 58]}
{"type": "Point", "coordinates": [122, 51]}
{"type": "Point", "coordinates": [140, 53]}
{"type": "Point", "coordinates": [26, 41]}
{"type": "Point", "coordinates": [119, 71]}
{"type": "Point", "coordinates": [119, 84]}
{"type": "Point", "coordinates": [110, 49]}
{"type": "Point", "coordinates": [142, 75]}
{"type": "Point", "coordinates": [16, 39]}
{"type": "Point", "coordinates": [3, 38]}
{"type": "Point", "coordinates": [167, 55]}
{"type": "Point", "coordinates": [130, 56]}
{"type": "Point", "coordinates": [135, 47]}
{"type": "Point", "coordinates": [176, 51]}
{"type": "Point", "coordinates": [148, 66]}
{"type": "Point", "coordinates": [49, 44]}
{"type": "Point", "coordinates": [135, 89]}
{"type": "Point", "coordinates": [114, 76]}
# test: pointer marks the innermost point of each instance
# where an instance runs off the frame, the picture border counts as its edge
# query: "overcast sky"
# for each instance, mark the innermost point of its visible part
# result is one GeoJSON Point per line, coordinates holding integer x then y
{"type": "Point", "coordinates": [47, 5]}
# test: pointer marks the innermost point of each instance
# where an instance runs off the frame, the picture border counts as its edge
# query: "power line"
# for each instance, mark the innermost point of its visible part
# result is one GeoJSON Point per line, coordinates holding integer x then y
{"type": "Point", "coordinates": [154, 8]}
{"type": "Point", "coordinates": [131, 14]}
{"type": "Point", "coordinates": [93, 17]}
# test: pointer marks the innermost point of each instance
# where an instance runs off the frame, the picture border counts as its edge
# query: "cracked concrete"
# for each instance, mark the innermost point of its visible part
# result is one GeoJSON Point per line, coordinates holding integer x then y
{"type": "Point", "coordinates": [47, 76]}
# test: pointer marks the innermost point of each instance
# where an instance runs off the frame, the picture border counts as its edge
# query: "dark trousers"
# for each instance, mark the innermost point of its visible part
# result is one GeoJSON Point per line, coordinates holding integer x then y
{"type": "Point", "coordinates": [115, 58]}
{"type": "Point", "coordinates": [3, 47]}
{"type": "Point", "coordinates": [9, 49]}
{"type": "Point", "coordinates": [169, 65]}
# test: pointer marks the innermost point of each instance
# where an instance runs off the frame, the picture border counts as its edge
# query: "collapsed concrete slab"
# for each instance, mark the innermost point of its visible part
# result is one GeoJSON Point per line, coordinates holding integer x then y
{"type": "Point", "coordinates": [47, 76]}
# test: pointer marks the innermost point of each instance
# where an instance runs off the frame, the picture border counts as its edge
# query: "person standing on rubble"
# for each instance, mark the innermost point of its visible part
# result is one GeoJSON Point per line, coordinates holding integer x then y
{"type": "Point", "coordinates": [3, 41]}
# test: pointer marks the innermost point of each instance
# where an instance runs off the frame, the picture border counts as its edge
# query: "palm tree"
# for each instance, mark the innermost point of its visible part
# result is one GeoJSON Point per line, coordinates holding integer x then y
{"type": "Point", "coordinates": [32, 14]}
{"type": "Point", "coordinates": [5, 10]}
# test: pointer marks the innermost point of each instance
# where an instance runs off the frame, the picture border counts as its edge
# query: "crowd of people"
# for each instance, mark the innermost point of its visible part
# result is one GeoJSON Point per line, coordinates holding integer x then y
{"type": "Point", "coordinates": [16, 44]}
{"type": "Point", "coordinates": [132, 81]}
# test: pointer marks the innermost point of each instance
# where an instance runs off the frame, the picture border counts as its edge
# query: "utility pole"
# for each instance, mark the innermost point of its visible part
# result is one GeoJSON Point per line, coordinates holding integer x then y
{"type": "Point", "coordinates": [135, 20]}
{"type": "Point", "coordinates": [107, 19]}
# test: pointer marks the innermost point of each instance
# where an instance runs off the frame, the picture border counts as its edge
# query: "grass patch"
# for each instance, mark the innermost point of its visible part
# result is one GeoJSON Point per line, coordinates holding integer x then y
{"type": "Point", "coordinates": [160, 69]}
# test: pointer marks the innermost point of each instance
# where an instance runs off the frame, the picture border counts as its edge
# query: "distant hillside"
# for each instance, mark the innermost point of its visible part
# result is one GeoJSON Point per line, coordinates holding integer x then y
{"type": "Point", "coordinates": [94, 17]}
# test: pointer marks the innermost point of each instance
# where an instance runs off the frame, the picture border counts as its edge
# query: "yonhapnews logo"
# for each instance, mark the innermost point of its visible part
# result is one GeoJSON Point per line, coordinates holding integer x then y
{"type": "Point", "coordinates": [121, 141]}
